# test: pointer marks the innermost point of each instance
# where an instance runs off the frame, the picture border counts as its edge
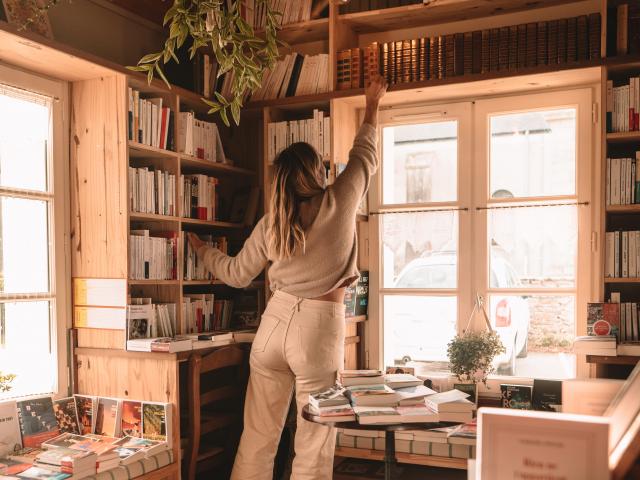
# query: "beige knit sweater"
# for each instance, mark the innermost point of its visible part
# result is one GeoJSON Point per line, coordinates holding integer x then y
{"type": "Point", "coordinates": [330, 256]}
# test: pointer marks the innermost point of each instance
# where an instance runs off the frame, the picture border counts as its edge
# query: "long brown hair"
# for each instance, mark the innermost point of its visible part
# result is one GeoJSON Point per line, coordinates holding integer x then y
{"type": "Point", "coordinates": [298, 176]}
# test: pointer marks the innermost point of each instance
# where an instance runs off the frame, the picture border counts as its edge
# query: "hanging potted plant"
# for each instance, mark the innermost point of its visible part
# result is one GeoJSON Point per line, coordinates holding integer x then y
{"type": "Point", "coordinates": [471, 354]}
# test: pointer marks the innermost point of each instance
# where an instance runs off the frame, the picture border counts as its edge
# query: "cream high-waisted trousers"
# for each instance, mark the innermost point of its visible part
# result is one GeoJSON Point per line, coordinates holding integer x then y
{"type": "Point", "coordinates": [299, 344]}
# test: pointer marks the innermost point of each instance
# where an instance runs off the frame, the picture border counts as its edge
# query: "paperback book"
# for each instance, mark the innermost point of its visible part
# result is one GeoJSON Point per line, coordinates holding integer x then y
{"type": "Point", "coordinates": [108, 417]}
{"type": "Point", "coordinates": [10, 439]}
{"type": "Point", "coordinates": [38, 421]}
{"type": "Point", "coordinates": [516, 396]}
{"type": "Point", "coordinates": [156, 421]}
{"type": "Point", "coordinates": [131, 422]}
{"type": "Point", "coordinates": [86, 407]}
{"type": "Point", "coordinates": [67, 415]}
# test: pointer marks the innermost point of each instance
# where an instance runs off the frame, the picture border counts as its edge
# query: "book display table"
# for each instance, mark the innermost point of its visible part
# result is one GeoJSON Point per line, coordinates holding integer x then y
{"type": "Point", "coordinates": [389, 429]}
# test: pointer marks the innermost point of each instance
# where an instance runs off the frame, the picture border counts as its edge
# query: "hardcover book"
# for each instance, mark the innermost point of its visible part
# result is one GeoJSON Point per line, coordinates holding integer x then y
{"type": "Point", "coordinates": [10, 440]}
{"type": "Point", "coordinates": [38, 422]}
{"type": "Point", "coordinates": [67, 415]}
{"type": "Point", "coordinates": [156, 421]}
{"type": "Point", "coordinates": [516, 396]}
{"type": "Point", "coordinates": [86, 413]}
{"type": "Point", "coordinates": [547, 395]}
{"type": "Point", "coordinates": [108, 417]}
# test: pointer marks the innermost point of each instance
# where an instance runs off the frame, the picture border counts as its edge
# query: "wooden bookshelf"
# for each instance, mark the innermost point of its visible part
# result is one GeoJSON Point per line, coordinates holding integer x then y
{"type": "Point", "coordinates": [303, 32]}
{"type": "Point", "coordinates": [621, 280]}
{"type": "Point", "coordinates": [191, 162]}
{"type": "Point", "coordinates": [624, 208]}
{"type": "Point", "coordinates": [140, 150]}
{"type": "Point", "coordinates": [623, 137]}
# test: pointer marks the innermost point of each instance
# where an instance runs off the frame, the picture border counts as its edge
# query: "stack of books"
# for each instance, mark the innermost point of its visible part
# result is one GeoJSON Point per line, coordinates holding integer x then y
{"type": "Point", "coordinates": [152, 191]}
{"type": "Point", "coordinates": [193, 267]}
{"type": "Point", "coordinates": [152, 257]}
{"type": "Point", "coordinates": [149, 122]}
{"type": "Point", "coordinates": [331, 405]}
{"type": "Point", "coordinates": [601, 345]}
{"type": "Point", "coordinates": [199, 196]}
{"type": "Point", "coordinates": [199, 138]}
{"type": "Point", "coordinates": [295, 75]}
{"type": "Point", "coordinates": [76, 463]}
{"type": "Point", "coordinates": [315, 131]}
{"type": "Point", "coordinates": [622, 254]}
{"type": "Point", "coordinates": [161, 344]}
{"type": "Point", "coordinates": [451, 406]}
{"type": "Point", "coordinates": [374, 401]}
{"type": "Point", "coordinates": [512, 48]}
{"type": "Point", "coordinates": [623, 180]}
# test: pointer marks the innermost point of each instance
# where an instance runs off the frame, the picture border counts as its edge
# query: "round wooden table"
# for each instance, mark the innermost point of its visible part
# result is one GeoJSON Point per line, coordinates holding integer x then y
{"type": "Point", "coordinates": [388, 429]}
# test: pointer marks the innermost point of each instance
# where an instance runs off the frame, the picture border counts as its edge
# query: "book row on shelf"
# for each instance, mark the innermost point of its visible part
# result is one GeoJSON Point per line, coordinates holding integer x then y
{"type": "Point", "coordinates": [295, 75]}
{"type": "Point", "coordinates": [152, 257]}
{"type": "Point", "coordinates": [622, 181]}
{"type": "Point", "coordinates": [149, 122]}
{"type": "Point", "coordinates": [199, 138]}
{"type": "Point", "coordinates": [199, 196]}
{"type": "Point", "coordinates": [152, 191]}
{"type": "Point", "coordinates": [146, 319]}
{"type": "Point", "coordinates": [617, 319]}
{"type": "Point", "coordinates": [80, 436]}
{"type": "Point", "coordinates": [623, 106]}
{"type": "Point", "coordinates": [315, 131]}
{"type": "Point", "coordinates": [202, 312]}
{"type": "Point", "coordinates": [622, 259]}
{"type": "Point", "coordinates": [553, 42]}
{"type": "Point", "coordinates": [194, 268]}
{"type": "Point", "coordinates": [291, 12]}
{"type": "Point", "coordinates": [623, 28]}
{"type": "Point", "coordinates": [354, 6]}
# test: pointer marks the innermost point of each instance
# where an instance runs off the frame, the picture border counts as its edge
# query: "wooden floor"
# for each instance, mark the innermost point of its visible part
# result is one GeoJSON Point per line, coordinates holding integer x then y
{"type": "Point", "coordinates": [355, 469]}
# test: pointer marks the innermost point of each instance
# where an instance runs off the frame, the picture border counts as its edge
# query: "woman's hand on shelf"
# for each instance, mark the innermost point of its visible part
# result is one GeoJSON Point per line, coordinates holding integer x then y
{"type": "Point", "coordinates": [195, 241]}
{"type": "Point", "coordinates": [373, 93]}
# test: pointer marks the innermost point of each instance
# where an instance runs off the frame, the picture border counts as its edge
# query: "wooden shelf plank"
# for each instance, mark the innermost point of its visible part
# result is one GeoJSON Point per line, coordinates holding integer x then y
{"type": "Point", "coordinates": [153, 282]}
{"type": "Point", "coordinates": [623, 137]}
{"type": "Point", "coordinates": [621, 280]}
{"type": "Point", "coordinates": [303, 32]}
{"type": "Point", "coordinates": [635, 208]}
{"type": "Point", "coordinates": [443, 11]}
{"type": "Point", "coordinates": [410, 458]}
{"type": "Point", "coordinates": [619, 360]}
{"type": "Point", "coordinates": [146, 217]}
{"type": "Point", "coordinates": [190, 283]}
{"type": "Point", "coordinates": [140, 150]}
{"type": "Point", "coordinates": [210, 223]}
{"type": "Point", "coordinates": [623, 64]}
{"type": "Point", "coordinates": [357, 319]}
{"type": "Point", "coordinates": [189, 161]}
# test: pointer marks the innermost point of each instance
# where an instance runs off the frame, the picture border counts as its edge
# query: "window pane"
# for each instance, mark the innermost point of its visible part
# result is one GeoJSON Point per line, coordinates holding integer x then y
{"type": "Point", "coordinates": [418, 328]}
{"type": "Point", "coordinates": [420, 250]}
{"type": "Point", "coordinates": [538, 332]}
{"type": "Point", "coordinates": [25, 350]}
{"type": "Point", "coordinates": [420, 163]}
{"type": "Point", "coordinates": [25, 256]}
{"type": "Point", "coordinates": [24, 131]}
{"type": "Point", "coordinates": [535, 246]}
{"type": "Point", "coordinates": [533, 154]}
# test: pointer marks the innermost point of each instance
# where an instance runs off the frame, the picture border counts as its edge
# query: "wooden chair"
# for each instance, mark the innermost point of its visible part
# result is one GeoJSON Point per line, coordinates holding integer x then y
{"type": "Point", "coordinates": [216, 389]}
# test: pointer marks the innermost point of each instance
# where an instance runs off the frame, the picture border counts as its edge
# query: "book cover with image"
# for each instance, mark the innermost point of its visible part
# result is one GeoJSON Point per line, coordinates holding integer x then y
{"type": "Point", "coordinates": [156, 421]}
{"type": "Point", "coordinates": [10, 439]}
{"type": "Point", "coordinates": [38, 422]}
{"type": "Point", "coordinates": [67, 415]}
{"type": "Point", "coordinates": [131, 423]}
{"type": "Point", "coordinates": [107, 417]}
{"type": "Point", "coordinates": [516, 396]}
{"type": "Point", "coordinates": [85, 407]}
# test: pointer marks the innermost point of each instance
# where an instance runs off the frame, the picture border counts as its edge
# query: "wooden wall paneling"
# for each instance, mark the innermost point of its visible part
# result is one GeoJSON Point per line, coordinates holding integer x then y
{"type": "Point", "coordinates": [151, 377]}
{"type": "Point", "coordinates": [99, 201]}
{"type": "Point", "coordinates": [100, 338]}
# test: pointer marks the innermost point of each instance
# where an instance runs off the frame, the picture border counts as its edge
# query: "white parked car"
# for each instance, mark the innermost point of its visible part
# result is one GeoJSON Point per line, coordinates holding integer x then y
{"type": "Point", "coordinates": [415, 339]}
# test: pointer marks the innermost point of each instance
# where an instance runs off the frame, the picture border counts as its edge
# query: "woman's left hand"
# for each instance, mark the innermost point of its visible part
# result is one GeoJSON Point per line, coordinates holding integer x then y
{"type": "Point", "coordinates": [195, 241]}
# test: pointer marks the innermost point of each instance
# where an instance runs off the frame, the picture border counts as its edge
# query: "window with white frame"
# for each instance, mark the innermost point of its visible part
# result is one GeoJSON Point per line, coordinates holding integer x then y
{"type": "Point", "coordinates": [33, 268]}
{"type": "Point", "coordinates": [487, 198]}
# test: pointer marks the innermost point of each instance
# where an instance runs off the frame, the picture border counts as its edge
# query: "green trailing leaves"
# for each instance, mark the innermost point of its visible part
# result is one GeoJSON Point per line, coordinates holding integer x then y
{"type": "Point", "coordinates": [239, 51]}
{"type": "Point", "coordinates": [471, 355]}
{"type": "Point", "coordinates": [5, 380]}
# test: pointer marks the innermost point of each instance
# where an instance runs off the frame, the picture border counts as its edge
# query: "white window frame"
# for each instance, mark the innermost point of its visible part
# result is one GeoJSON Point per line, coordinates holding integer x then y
{"type": "Point", "coordinates": [474, 154]}
{"type": "Point", "coordinates": [59, 221]}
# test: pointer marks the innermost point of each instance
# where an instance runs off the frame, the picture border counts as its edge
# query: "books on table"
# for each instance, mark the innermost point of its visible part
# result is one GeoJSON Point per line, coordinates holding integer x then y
{"type": "Point", "coordinates": [450, 401]}
{"type": "Point", "coordinates": [161, 344]}
{"type": "Point", "coordinates": [66, 460]}
{"type": "Point", "coordinates": [332, 397]}
{"type": "Point", "coordinates": [131, 449]}
{"type": "Point", "coordinates": [595, 345]}
{"type": "Point", "coordinates": [417, 414]}
{"type": "Point", "coordinates": [377, 415]}
{"type": "Point", "coordinates": [371, 395]}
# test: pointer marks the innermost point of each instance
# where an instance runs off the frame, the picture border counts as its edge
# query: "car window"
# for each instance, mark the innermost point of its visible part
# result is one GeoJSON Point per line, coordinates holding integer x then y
{"type": "Point", "coordinates": [428, 276]}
